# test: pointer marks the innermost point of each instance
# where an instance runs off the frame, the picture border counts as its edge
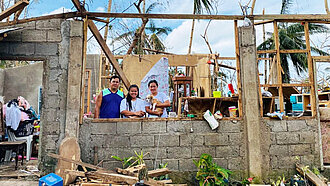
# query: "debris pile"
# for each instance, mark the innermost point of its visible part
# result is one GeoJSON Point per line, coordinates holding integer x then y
{"type": "Point", "coordinates": [138, 175]}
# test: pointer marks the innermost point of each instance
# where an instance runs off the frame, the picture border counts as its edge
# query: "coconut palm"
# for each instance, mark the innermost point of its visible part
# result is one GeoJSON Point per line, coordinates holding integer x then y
{"type": "Point", "coordinates": [292, 36]}
{"type": "Point", "coordinates": [198, 6]}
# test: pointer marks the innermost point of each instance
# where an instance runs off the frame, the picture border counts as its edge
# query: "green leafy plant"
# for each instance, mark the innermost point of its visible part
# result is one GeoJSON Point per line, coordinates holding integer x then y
{"type": "Point", "coordinates": [279, 182]}
{"type": "Point", "coordinates": [210, 173]}
{"type": "Point", "coordinates": [132, 160]}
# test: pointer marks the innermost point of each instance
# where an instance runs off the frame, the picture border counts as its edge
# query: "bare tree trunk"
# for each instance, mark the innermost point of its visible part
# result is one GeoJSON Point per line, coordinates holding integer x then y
{"type": "Point", "coordinates": [136, 36]}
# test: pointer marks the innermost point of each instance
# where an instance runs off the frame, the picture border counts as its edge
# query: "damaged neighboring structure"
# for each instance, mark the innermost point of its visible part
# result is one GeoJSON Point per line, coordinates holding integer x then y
{"type": "Point", "coordinates": [250, 145]}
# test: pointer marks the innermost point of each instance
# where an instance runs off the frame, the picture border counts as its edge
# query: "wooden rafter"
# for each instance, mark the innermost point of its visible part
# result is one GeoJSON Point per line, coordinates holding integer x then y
{"type": "Point", "coordinates": [103, 44]}
{"type": "Point", "coordinates": [301, 17]}
{"type": "Point", "coordinates": [16, 7]}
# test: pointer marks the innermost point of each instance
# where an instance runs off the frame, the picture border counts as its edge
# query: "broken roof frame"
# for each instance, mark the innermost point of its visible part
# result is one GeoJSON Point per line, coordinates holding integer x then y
{"type": "Point", "coordinates": [90, 16]}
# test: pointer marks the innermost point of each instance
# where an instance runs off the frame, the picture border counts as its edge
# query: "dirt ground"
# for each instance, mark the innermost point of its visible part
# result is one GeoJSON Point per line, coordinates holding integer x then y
{"type": "Point", "coordinates": [26, 175]}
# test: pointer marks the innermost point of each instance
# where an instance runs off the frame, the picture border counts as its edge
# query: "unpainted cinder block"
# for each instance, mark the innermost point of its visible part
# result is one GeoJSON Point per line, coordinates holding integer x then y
{"type": "Point", "coordinates": [301, 149]}
{"type": "Point", "coordinates": [287, 138]}
{"type": "Point", "coordinates": [34, 36]}
{"type": "Point", "coordinates": [103, 128]}
{"type": "Point", "coordinates": [198, 151]}
{"type": "Point", "coordinates": [279, 150]}
{"type": "Point", "coordinates": [22, 49]}
{"type": "Point", "coordinates": [229, 126]}
{"type": "Point", "coordinates": [50, 49]}
{"type": "Point", "coordinates": [179, 126]}
{"type": "Point", "coordinates": [236, 163]}
{"type": "Point", "coordinates": [167, 140]}
{"type": "Point", "coordinates": [154, 127]}
{"type": "Point", "coordinates": [222, 162]}
{"type": "Point", "coordinates": [142, 141]}
{"type": "Point", "coordinates": [129, 127]}
{"type": "Point", "coordinates": [187, 165]}
{"type": "Point", "coordinates": [227, 151]}
{"type": "Point", "coordinates": [50, 24]}
{"type": "Point", "coordinates": [216, 139]}
{"type": "Point", "coordinates": [154, 152]}
{"type": "Point", "coordinates": [191, 140]}
{"type": "Point", "coordinates": [179, 152]}
{"type": "Point", "coordinates": [307, 137]}
{"type": "Point", "coordinates": [76, 28]}
{"type": "Point", "coordinates": [54, 36]}
{"type": "Point", "coordinates": [297, 125]}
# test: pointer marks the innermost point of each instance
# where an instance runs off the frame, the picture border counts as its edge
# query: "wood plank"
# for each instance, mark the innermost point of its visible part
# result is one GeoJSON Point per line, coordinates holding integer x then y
{"type": "Point", "coordinates": [279, 66]}
{"type": "Point", "coordinates": [295, 51]}
{"type": "Point", "coordinates": [47, 17]}
{"type": "Point", "coordinates": [238, 71]}
{"type": "Point", "coordinates": [154, 182]}
{"type": "Point", "coordinates": [214, 17]}
{"type": "Point", "coordinates": [266, 51]}
{"type": "Point", "coordinates": [16, 7]}
{"type": "Point", "coordinates": [310, 175]}
{"type": "Point", "coordinates": [263, 22]}
{"type": "Point", "coordinates": [321, 58]}
{"type": "Point", "coordinates": [286, 85]}
{"type": "Point", "coordinates": [77, 162]}
{"type": "Point", "coordinates": [158, 172]}
{"type": "Point", "coordinates": [83, 73]}
{"type": "Point", "coordinates": [310, 69]}
{"type": "Point", "coordinates": [113, 177]}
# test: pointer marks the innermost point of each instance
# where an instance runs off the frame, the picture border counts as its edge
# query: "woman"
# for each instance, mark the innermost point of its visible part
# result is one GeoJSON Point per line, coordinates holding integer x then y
{"type": "Point", "coordinates": [132, 106]}
{"type": "Point", "coordinates": [164, 101]}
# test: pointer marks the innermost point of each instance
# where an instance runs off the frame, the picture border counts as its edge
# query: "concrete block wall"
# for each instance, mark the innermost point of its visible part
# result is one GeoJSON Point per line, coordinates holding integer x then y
{"type": "Point", "coordinates": [291, 141]}
{"type": "Point", "coordinates": [23, 81]}
{"type": "Point", "coordinates": [58, 43]}
{"type": "Point", "coordinates": [177, 142]}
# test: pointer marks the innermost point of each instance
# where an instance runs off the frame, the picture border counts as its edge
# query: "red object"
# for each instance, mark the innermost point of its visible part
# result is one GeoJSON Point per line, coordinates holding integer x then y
{"type": "Point", "coordinates": [231, 88]}
{"type": "Point", "coordinates": [209, 62]}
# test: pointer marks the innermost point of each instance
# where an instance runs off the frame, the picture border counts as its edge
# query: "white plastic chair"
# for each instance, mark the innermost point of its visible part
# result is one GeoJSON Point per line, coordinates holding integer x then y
{"type": "Point", "coordinates": [12, 137]}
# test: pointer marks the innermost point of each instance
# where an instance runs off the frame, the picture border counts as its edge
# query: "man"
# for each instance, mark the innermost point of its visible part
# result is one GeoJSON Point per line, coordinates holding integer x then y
{"type": "Point", "coordinates": [108, 101]}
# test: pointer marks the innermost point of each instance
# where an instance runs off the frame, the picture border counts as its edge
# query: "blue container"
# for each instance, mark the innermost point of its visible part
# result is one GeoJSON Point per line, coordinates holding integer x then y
{"type": "Point", "coordinates": [51, 180]}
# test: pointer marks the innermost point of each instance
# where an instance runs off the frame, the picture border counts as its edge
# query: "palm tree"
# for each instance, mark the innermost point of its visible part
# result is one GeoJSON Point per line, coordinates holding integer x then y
{"type": "Point", "coordinates": [198, 6]}
{"type": "Point", "coordinates": [151, 36]}
{"type": "Point", "coordinates": [292, 36]}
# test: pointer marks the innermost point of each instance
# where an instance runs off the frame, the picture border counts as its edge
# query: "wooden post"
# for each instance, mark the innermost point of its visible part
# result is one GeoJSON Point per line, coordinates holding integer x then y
{"type": "Point", "coordinates": [326, 6]}
{"type": "Point", "coordinates": [16, 7]}
{"type": "Point", "coordinates": [82, 98]}
{"type": "Point", "coordinates": [179, 107]}
{"type": "Point", "coordinates": [239, 89]}
{"type": "Point", "coordinates": [310, 70]}
{"type": "Point", "coordinates": [279, 67]}
{"type": "Point", "coordinates": [89, 72]}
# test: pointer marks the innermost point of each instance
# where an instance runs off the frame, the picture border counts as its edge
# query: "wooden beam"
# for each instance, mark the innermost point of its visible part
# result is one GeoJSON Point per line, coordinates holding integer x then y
{"type": "Point", "coordinates": [113, 177]}
{"type": "Point", "coordinates": [227, 66]}
{"type": "Point", "coordinates": [77, 162]}
{"type": "Point", "coordinates": [83, 73]}
{"type": "Point", "coordinates": [226, 58]}
{"type": "Point", "coordinates": [321, 58]}
{"type": "Point", "coordinates": [279, 66]}
{"type": "Point", "coordinates": [252, 7]}
{"type": "Point", "coordinates": [310, 69]}
{"type": "Point", "coordinates": [310, 175]}
{"type": "Point", "coordinates": [300, 17]}
{"type": "Point", "coordinates": [99, 20]}
{"type": "Point", "coordinates": [263, 22]}
{"type": "Point", "coordinates": [17, 6]}
{"type": "Point", "coordinates": [158, 172]}
{"type": "Point", "coordinates": [266, 51]}
{"type": "Point", "coordinates": [158, 51]}
{"type": "Point", "coordinates": [293, 51]}
{"type": "Point", "coordinates": [286, 85]}
{"type": "Point", "coordinates": [107, 52]}
{"type": "Point", "coordinates": [239, 86]}
{"type": "Point", "coordinates": [326, 6]}
{"type": "Point", "coordinates": [54, 16]}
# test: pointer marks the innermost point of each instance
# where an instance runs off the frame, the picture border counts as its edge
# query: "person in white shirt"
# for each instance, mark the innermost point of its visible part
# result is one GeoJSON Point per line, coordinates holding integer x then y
{"type": "Point", "coordinates": [132, 106]}
{"type": "Point", "coordinates": [163, 98]}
